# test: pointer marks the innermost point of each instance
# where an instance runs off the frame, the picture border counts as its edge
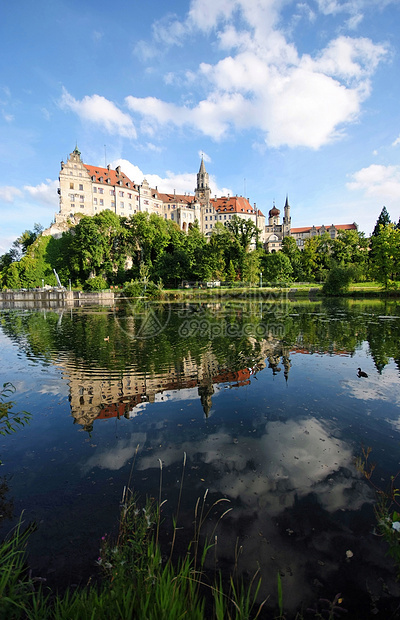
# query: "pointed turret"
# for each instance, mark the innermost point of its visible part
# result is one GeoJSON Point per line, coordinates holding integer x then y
{"type": "Point", "coordinates": [287, 221]}
{"type": "Point", "coordinates": [202, 190]}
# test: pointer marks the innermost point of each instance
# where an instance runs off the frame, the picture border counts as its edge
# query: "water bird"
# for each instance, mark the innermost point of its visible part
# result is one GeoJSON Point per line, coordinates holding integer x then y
{"type": "Point", "coordinates": [361, 373]}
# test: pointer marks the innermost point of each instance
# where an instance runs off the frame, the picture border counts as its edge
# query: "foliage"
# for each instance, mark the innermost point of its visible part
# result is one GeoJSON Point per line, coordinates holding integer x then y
{"type": "Point", "coordinates": [136, 580]}
{"type": "Point", "coordinates": [10, 421]}
{"type": "Point", "coordinates": [338, 280]}
{"type": "Point", "coordinates": [97, 283]}
{"type": "Point", "coordinates": [383, 220]}
{"type": "Point", "coordinates": [276, 268]}
{"type": "Point", "coordinates": [387, 509]}
{"type": "Point", "coordinates": [385, 259]}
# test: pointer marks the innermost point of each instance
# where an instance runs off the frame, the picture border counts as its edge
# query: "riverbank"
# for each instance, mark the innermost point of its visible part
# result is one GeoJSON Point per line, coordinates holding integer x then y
{"type": "Point", "coordinates": [56, 297]}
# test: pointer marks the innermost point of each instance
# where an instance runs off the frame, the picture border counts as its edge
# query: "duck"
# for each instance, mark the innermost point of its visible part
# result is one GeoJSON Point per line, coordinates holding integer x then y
{"type": "Point", "coordinates": [361, 373]}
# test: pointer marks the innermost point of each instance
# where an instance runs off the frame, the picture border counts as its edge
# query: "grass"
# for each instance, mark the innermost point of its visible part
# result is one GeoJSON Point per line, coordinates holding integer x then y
{"type": "Point", "coordinates": [136, 579]}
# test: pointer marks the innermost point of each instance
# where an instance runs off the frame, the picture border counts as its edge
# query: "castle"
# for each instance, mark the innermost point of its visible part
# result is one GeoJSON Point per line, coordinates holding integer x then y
{"type": "Point", "coordinates": [86, 189]}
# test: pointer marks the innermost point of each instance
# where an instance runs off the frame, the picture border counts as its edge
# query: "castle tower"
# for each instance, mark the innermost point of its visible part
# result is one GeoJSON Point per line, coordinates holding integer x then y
{"type": "Point", "coordinates": [287, 220]}
{"type": "Point", "coordinates": [202, 191]}
{"type": "Point", "coordinates": [273, 216]}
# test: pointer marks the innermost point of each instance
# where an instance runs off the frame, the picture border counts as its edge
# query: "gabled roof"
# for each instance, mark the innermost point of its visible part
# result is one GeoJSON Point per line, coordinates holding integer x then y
{"type": "Point", "coordinates": [114, 175]}
{"type": "Point", "coordinates": [234, 204]}
{"type": "Point", "coordinates": [337, 226]}
{"type": "Point", "coordinates": [177, 198]}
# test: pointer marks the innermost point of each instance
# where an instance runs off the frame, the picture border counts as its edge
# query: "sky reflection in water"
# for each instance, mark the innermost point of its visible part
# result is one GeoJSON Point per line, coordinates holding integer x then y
{"type": "Point", "coordinates": [272, 424]}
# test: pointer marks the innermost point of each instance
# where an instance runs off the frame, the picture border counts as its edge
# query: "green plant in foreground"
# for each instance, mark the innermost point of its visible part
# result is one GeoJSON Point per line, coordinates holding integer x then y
{"type": "Point", "coordinates": [387, 509]}
{"type": "Point", "coordinates": [137, 581]}
{"type": "Point", "coordinates": [10, 421]}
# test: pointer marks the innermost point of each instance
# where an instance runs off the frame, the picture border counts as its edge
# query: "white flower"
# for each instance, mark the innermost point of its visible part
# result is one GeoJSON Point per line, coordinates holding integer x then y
{"type": "Point", "coordinates": [396, 526]}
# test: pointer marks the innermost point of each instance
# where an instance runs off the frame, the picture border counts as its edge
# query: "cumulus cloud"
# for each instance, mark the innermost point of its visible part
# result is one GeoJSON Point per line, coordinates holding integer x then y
{"type": "Point", "coordinates": [9, 193]}
{"type": "Point", "coordinates": [180, 183]}
{"type": "Point", "coordinates": [99, 110]}
{"type": "Point", "coordinates": [44, 192]}
{"type": "Point", "coordinates": [262, 82]}
{"type": "Point", "coordinates": [377, 180]}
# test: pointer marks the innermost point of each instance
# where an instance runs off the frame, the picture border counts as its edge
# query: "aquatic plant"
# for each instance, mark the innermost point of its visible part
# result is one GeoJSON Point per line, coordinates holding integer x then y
{"type": "Point", "coordinates": [387, 508]}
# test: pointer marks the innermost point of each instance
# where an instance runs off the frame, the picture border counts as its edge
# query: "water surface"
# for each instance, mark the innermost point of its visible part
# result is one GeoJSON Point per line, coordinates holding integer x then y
{"type": "Point", "coordinates": [263, 398]}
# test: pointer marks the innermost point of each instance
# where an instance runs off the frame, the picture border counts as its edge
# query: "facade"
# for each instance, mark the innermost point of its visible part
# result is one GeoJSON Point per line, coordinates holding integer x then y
{"type": "Point", "coordinates": [301, 234]}
{"type": "Point", "coordinates": [86, 189]}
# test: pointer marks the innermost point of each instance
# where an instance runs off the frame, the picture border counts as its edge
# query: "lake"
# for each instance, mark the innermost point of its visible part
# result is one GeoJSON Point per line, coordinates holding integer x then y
{"type": "Point", "coordinates": [261, 395]}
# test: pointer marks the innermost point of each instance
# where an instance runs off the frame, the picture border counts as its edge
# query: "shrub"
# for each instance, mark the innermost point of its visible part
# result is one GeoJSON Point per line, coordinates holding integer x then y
{"type": "Point", "coordinates": [98, 283]}
{"type": "Point", "coordinates": [338, 280]}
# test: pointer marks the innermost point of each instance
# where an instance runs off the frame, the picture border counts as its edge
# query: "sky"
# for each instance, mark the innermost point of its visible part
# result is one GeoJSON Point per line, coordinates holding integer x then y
{"type": "Point", "coordinates": [280, 97]}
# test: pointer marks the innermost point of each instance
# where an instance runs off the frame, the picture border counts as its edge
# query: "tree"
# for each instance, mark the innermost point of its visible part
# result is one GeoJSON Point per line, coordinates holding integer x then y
{"type": "Point", "coordinates": [338, 279]}
{"type": "Point", "coordinates": [276, 268]}
{"type": "Point", "coordinates": [290, 249]}
{"type": "Point", "coordinates": [383, 220]}
{"type": "Point", "coordinates": [385, 263]}
{"type": "Point", "coordinates": [350, 248]}
{"type": "Point", "coordinates": [251, 267]}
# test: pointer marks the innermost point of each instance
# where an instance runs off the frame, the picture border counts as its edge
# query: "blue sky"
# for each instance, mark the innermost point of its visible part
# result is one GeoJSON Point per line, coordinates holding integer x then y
{"type": "Point", "coordinates": [281, 97]}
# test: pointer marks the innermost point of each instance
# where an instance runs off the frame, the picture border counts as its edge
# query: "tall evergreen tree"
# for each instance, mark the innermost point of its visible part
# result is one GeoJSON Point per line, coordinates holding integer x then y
{"type": "Point", "coordinates": [383, 219]}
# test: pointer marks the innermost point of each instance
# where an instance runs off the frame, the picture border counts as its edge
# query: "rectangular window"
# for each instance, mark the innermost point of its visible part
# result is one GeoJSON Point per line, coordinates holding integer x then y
{"type": "Point", "coordinates": [72, 206]}
{"type": "Point", "coordinates": [130, 207]}
{"type": "Point", "coordinates": [172, 216]}
{"type": "Point", "coordinates": [71, 186]}
{"type": "Point", "coordinates": [129, 196]}
{"type": "Point", "coordinates": [95, 201]}
{"type": "Point", "coordinates": [121, 194]}
{"type": "Point", "coordinates": [81, 198]}
{"type": "Point", "coordinates": [112, 192]}
{"type": "Point", "coordinates": [101, 202]}
{"type": "Point", "coordinates": [206, 218]}
{"type": "Point", "coordinates": [121, 204]}
{"type": "Point", "coordinates": [95, 190]}
{"type": "Point", "coordinates": [81, 187]}
{"type": "Point", "coordinates": [101, 190]}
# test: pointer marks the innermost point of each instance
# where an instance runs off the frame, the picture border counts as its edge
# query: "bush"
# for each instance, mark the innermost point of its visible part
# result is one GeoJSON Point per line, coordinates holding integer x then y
{"type": "Point", "coordinates": [134, 288]}
{"type": "Point", "coordinates": [338, 280]}
{"type": "Point", "coordinates": [98, 283]}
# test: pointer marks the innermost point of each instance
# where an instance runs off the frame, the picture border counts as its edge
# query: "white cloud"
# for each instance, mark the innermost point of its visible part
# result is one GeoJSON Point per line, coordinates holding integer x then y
{"type": "Point", "coordinates": [44, 192]}
{"type": "Point", "coordinates": [396, 142]}
{"type": "Point", "coordinates": [99, 110]}
{"type": "Point", "coordinates": [9, 193]}
{"type": "Point", "coordinates": [262, 83]}
{"type": "Point", "coordinates": [377, 180]}
{"type": "Point", "coordinates": [180, 183]}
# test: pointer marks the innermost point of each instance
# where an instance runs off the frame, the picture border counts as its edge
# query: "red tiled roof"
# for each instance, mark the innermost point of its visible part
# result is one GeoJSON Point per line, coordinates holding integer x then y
{"type": "Point", "coordinates": [105, 173]}
{"type": "Point", "coordinates": [233, 204]}
{"type": "Point", "coordinates": [178, 198]}
{"type": "Point", "coordinates": [337, 226]}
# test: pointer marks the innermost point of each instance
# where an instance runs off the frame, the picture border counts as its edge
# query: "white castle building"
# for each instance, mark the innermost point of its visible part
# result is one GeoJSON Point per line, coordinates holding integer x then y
{"type": "Point", "coordinates": [86, 190]}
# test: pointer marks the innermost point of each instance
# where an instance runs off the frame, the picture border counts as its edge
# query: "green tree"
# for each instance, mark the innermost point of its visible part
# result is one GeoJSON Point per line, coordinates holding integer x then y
{"type": "Point", "coordinates": [339, 279]}
{"type": "Point", "coordinates": [276, 268]}
{"type": "Point", "coordinates": [252, 267]}
{"type": "Point", "coordinates": [350, 248]}
{"type": "Point", "coordinates": [383, 220]}
{"type": "Point", "coordinates": [386, 256]}
{"type": "Point", "coordinates": [290, 249]}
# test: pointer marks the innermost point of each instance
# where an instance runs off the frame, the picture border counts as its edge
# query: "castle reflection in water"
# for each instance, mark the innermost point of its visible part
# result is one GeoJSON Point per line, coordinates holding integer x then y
{"type": "Point", "coordinates": [93, 397]}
